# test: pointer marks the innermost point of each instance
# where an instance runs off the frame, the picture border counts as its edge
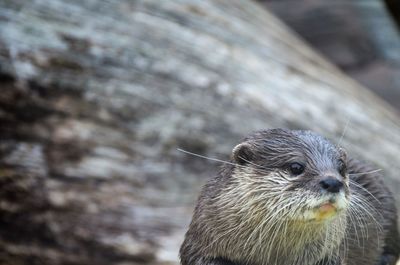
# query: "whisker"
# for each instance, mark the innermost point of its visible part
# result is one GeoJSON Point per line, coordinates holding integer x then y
{"type": "Point", "coordinates": [361, 187]}
{"type": "Point", "coordinates": [224, 161]}
{"type": "Point", "coordinates": [344, 131]}
{"type": "Point", "coordinates": [208, 158]}
{"type": "Point", "coordinates": [367, 172]}
{"type": "Point", "coordinates": [364, 208]}
{"type": "Point", "coordinates": [252, 163]}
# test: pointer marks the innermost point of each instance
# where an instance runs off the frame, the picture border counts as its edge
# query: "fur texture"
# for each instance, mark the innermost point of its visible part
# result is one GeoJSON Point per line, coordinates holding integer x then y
{"type": "Point", "coordinates": [255, 211]}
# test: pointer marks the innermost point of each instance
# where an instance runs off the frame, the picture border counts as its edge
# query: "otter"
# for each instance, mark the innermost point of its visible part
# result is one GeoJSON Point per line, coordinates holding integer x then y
{"type": "Point", "coordinates": [291, 197]}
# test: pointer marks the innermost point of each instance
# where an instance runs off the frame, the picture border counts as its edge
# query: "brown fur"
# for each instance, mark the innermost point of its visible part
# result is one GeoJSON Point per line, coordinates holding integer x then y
{"type": "Point", "coordinates": [249, 213]}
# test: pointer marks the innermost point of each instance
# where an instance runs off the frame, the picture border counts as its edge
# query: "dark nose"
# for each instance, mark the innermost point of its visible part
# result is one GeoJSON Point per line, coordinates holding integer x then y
{"type": "Point", "coordinates": [331, 184]}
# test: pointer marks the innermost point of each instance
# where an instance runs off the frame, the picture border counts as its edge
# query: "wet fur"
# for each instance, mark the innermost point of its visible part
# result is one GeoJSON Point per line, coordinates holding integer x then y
{"type": "Point", "coordinates": [245, 214]}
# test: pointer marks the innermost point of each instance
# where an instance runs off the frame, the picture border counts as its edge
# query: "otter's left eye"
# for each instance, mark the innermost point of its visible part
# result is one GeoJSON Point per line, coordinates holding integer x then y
{"type": "Point", "coordinates": [296, 168]}
{"type": "Point", "coordinates": [342, 168]}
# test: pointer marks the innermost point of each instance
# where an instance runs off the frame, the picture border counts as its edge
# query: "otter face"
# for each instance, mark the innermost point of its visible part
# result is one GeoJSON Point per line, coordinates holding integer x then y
{"type": "Point", "coordinates": [302, 174]}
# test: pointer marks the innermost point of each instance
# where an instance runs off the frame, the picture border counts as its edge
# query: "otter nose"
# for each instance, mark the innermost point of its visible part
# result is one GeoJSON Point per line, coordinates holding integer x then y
{"type": "Point", "coordinates": [331, 184]}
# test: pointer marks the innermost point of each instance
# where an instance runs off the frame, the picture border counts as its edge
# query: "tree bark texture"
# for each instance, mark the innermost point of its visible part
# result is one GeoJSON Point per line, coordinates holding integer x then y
{"type": "Point", "coordinates": [96, 96]}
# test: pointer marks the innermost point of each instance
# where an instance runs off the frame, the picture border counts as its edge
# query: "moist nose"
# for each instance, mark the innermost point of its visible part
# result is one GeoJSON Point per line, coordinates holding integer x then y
{"type": "Point", "coordinates": [331, 184]}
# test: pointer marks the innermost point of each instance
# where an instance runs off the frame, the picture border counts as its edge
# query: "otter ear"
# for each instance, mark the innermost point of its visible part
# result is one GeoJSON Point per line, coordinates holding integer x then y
{"type": "Point", "coordinates": [242, 153]}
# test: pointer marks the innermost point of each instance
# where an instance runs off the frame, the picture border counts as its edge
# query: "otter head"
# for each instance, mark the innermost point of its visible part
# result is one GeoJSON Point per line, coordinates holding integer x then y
{"type": "Point", "coordinates": [297, 172]}
{"type": "Point", "coordinates": [282, 200]}
{"type": "Point", "coordinates": [285, 198]}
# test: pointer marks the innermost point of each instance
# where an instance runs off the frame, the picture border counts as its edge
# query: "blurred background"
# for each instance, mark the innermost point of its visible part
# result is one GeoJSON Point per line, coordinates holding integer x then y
{"type": "Point", "coordinates": [96, 97]}
{"type": "Point", "coordinates": [361, 37]}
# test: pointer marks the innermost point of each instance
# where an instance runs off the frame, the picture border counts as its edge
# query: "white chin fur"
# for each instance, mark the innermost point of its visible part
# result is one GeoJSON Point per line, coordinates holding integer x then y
{"type": "Point", "coordinates": [337, 200]}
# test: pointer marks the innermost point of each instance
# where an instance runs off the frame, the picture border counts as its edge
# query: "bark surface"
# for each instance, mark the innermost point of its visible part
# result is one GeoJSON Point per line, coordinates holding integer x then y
{"type": "Point", "coordinates": [96, 96]}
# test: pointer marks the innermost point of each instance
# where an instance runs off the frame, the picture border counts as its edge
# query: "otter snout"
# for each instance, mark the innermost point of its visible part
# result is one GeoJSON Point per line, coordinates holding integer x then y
{"type": "Point", "coordinates": [331, 184]}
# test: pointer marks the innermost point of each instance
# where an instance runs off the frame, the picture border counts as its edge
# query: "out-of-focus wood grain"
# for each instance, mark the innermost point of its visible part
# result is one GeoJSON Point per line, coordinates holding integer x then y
{"type": "Point", "coordinates": [97, 95]}
{"type": "Point", "coordinates": [359, 36]}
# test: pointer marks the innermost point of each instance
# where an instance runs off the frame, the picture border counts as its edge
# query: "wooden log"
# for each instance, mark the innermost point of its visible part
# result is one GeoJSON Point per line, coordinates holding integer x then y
{"type": "Point", "coordinates": [97, 96]}
{"type": "Point", "coordinates": [358, 36]}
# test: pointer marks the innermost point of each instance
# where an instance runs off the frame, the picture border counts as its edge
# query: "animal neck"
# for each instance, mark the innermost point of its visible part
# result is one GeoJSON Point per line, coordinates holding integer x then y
{"type": "Point", "coordinates": [286, 242]}
{"type": "Point", "coordinates": [294, 242]}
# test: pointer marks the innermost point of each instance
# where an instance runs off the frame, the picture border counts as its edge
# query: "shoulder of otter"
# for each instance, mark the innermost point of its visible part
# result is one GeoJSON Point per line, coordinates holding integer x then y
{"type": "Point", "coordinates": [367, 182]}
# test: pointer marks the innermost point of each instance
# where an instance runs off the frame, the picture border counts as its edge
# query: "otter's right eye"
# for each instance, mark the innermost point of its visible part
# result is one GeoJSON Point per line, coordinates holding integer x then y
{"type": "Point", "coordinates": [296, 168]}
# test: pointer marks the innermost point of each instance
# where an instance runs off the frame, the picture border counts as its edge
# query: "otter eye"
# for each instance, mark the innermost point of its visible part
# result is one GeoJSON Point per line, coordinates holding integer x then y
{"type": "Point", "coordinates": [296, 168]}
{"type": "Point", "coordinates": [342, 168]}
